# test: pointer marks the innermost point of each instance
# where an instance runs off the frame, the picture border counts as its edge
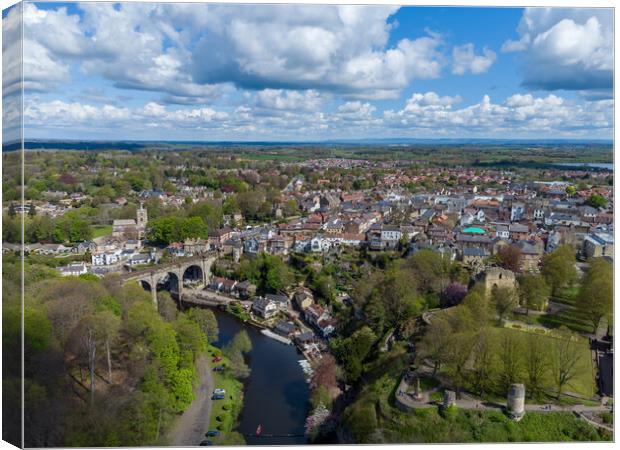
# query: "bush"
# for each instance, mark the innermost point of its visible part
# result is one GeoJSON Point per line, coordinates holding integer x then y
{"type": "Point", "coordinates": [607, 417]}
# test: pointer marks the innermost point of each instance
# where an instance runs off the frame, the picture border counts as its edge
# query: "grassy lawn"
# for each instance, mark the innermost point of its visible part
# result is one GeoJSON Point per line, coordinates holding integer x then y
{"type": "Point", "coordinates": [583, 383]}
{"type": "Point", "coordinates": [224, 413]}
{"type": "Point", "coordinates": [101, 230]}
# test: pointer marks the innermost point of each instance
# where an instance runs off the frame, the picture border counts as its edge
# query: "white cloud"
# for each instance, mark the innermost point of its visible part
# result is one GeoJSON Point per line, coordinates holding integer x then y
{"type": "Point", "coordinates": [465, 60]}
{"type": "Point", "coordinates": [422, 114]}
{"type": "Point", "coordinates": [313, 47]}
{"type": "Point", "coordinates": [566, 48]}
{"type": "Point", "coordinates": [285, 100]}
{"type": "Point", "coordinates": [518, 114]}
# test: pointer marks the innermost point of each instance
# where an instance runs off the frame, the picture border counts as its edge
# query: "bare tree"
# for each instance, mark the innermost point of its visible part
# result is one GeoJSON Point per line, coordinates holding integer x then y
{"type": "Point", "coordinates": [566, 358]}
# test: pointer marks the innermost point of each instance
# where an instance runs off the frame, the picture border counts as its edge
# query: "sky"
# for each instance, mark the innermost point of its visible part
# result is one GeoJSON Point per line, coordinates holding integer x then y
{"type": "Point", "coordinates": [211, 72]}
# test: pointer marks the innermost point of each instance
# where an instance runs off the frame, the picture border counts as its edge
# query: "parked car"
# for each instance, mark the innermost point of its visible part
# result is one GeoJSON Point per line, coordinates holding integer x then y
{"type": "Point", "coordinates": [218, 397]}
{"type": "Point", "coordinates": [205, 443]}
{"type": "Point", "coordinates": [219, 391]}
{"type": "Point", "coordinates": [218, 368]}
{"type": "Point", "coordinates": [216, 359]}
{"type": "Point", "coordinates": [212, 433]}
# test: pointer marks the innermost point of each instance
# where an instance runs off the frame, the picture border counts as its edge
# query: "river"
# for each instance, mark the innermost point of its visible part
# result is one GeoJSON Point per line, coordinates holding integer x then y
{"type": "Point", "coordinates": [276, 393]}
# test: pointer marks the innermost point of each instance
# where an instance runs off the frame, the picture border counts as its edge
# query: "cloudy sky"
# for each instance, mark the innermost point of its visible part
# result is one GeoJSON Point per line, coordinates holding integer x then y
{"type": "Point", "coordinates": [294, 72]}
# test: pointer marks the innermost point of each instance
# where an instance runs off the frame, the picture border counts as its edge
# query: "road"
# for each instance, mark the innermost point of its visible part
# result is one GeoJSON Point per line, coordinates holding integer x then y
{"type": "Point", "coordinates": [190, 428]}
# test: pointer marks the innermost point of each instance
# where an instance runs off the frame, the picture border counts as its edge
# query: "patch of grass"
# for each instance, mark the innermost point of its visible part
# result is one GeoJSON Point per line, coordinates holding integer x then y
{"type": "Point", "coordinates": [461, 426]}
{"type": "Point", "coordinates": [224, 413]}
{"type": "Point", "coordinates": [571, 318]}
{"type": "Point", "coordinates": [583, 383]}
{"type": "Point", "coordinates": [101, 230]}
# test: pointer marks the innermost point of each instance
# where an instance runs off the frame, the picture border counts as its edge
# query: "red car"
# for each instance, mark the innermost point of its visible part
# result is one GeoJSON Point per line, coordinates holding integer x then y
{"type": "Point", "coordinates": [217, 359]}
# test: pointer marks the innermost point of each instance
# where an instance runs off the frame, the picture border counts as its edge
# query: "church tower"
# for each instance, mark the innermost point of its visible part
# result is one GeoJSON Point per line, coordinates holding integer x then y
{"type": "Point", "coordinates": [142, 217]}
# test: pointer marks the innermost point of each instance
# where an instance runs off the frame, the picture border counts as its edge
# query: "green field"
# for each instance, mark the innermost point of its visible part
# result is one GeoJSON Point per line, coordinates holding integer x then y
{"type": "Point", "coordinates": [101, 230]}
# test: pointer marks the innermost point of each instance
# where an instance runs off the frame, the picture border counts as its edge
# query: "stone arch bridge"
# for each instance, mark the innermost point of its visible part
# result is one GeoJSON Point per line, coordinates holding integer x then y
{"type": "Point", "coordinates": [194, 270]}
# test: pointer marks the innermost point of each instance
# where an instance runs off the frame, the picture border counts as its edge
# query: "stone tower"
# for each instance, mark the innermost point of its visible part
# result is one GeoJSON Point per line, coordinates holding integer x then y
{"type": "Point", "coordinates": [141, 217]}
{"type": "Point", "coordinates": [516, 401]}
{"type": "Point", "coordinates": [496, 277]}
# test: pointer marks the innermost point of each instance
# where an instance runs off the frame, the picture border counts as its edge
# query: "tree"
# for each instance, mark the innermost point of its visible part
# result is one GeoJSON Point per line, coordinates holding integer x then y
{"type": "Point", "coordinates": [434, 343]}
{"type": "Point", "coordinates": [596, 201]}
{"type": "Point", "coordinates": [166, 306]}
{"type": "Point", "coordinates": [460, 346]}
{"type": "Point", "coordinates": [534, 292]}
{"type": "Point", "coordinates": [32, 211]}
{"type": "Point", "coordinates": [12, 211]}
{"type": "Point", "coordinates": [566, 357]}
{"type": "Point", "coordinates": [483, 371]}
{"type": "Point", "coordinates": [108, 325]}
{"type": "Point", "coordinates": [536, 365]}
{"type": "Point", "coordinates": [324, 287]}
{"type": "Point", "coordinates": [571, 190]}
{"type": "Point", "coordinates": [510, 258]}
{"type": "Point", "coordinates": [595, 298]}
{"type": "Point", "coordinates": [84, 342]}
{"type": "Point", "coordinates": [505, 300]}
{"type": "Point", "coordinates": [235, 349]}
{"type": "Point", "coordinates": [453, 294]}
{"type": "Point", "coordinates": [400, 298]}
{"type": "Point", "coordinates": [194, 227]}
{"type": "Point", "coordinates": [206, 321]}
{"type": "Point", "coordinates": [353, 350]}
{"type": "Point", "coordinates": [277, 275]}
{"type": "Point", "coordinates": [558, 268]}
{"type": "Point", "coordinates": [325, 373]}
{"type": "Point", "coordinates": [510, 358]}
{"type": "Point", "coordinates": [430, 269]}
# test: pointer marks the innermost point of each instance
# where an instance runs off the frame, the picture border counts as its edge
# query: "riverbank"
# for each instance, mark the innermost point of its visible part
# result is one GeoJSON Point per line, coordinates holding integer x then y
{"type": "Point", "coordinates": [190, 427]}
{"type": "Point", "coordinates": [225, 413]}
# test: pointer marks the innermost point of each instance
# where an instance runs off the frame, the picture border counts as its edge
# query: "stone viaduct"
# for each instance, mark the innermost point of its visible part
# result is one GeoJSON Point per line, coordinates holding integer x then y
{"type": "Point", "coordinates": [198, 269]}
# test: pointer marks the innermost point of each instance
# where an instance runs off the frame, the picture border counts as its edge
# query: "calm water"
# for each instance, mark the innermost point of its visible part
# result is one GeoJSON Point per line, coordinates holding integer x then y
{"type": "Point", "coordinates": [605, 166]}
{"type": "Point", "coordinates": [276, 393]}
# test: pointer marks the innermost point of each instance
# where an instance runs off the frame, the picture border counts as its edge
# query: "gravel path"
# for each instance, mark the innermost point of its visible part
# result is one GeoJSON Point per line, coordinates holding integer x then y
{"type": "Point", "coordinates": [190, 428]}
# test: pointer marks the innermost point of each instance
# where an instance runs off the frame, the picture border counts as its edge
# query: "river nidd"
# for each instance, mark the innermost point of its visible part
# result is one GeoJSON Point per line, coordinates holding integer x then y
{"type": "Point", "coordinates": [276, 393]}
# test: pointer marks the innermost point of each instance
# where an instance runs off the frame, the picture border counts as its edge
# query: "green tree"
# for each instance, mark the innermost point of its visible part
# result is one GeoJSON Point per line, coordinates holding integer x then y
{"type": "Point", "coordinates": [536, 365]}
{"type": "Point", "coordinates": [431, 270]}
{"type": "Point", "coordinates": [511, 362]}
{"type": "Point", "coordinates": [194, 227]}
{"type": "Point", "coordinates": [206, 321]}
{"type": "Point", "coordinates": [534, 292]}
{"type": "Point", "coordinates": [595, 298]}
{"type": "Point", "coordinates": [596, 201]}
{"type": "Point", "coordinates": [558, 268]}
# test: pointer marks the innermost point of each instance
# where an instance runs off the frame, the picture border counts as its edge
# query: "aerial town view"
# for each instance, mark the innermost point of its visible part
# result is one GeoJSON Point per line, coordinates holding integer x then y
{"type": "Point", "coordinates": [229, 224]}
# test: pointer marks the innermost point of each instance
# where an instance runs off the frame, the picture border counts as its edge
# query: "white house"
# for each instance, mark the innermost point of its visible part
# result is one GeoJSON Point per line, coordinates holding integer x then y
{"type": "Point", "coordinates": [105, 258]}
{"type": "Point", "coordinates": [74, 269]}
{"type": "Point", "coordinates": [264, 307]}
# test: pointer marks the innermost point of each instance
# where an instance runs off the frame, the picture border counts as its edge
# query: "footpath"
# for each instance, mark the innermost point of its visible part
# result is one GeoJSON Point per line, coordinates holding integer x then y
{"type": "Point", "coordinates": [190, 427]}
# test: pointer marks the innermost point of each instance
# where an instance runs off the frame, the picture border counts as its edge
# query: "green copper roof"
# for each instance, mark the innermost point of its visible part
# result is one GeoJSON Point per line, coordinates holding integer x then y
{"type": "Point", "coordinates": [475, 230]}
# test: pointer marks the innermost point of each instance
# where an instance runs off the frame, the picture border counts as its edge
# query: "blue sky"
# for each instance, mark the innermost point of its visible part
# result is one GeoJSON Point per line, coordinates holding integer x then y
{"type": "Point", "coordinates": [293, 72]}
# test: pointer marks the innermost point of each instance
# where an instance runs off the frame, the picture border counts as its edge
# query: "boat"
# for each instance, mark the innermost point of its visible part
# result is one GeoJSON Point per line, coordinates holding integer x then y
{"type": "Point", "coordinates": [259, 430]}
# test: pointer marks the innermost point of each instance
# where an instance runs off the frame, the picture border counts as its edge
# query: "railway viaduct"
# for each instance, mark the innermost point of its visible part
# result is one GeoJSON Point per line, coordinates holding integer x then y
{"type": "Point", "coordinates": [173, 274]}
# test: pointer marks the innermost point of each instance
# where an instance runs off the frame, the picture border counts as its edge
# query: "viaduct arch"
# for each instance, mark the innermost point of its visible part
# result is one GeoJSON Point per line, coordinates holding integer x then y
{"type": "Point", "coordinates": [191, 271]}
